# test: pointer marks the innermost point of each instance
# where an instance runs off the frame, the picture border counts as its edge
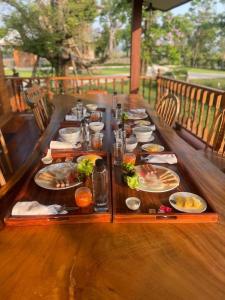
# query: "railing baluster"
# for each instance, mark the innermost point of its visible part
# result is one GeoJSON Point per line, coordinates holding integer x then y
{"type": "Point", "coordinates": [209, 110]}
{"type": "Point", "coordinates": [114, 84]}
{"type": "Point", "coordinates": [196, 112]}
{"type": "Point", "coordinates": [191, 100]}
{"type": "Point", "coordinates": [202, 110]}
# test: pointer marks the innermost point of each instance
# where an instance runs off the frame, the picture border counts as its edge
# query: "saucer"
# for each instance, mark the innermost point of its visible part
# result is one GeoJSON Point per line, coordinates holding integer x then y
{"type": "Point", "coordinates": [146, 140]}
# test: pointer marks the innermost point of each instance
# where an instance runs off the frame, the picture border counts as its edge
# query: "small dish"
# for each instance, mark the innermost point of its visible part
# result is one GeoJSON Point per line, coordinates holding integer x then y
{"type": "Point", "coordinates": [91, 107]}
{"type": "Point", "coordinates": [133, 203]}
{"type": "Point", "coordinates": [47, 160]}
{"type": "Point", "coordinates": [96, 126]}
{"type": "Point", "coordinates": [131, 144]}
{"type": "Point", "coordinates": [151, 148]}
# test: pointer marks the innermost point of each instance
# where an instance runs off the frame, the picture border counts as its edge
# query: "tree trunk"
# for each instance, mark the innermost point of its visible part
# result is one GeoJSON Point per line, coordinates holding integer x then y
{"type": "Point", "coordinates": [35, 66]}
{"type": "Point", "coordinates": [111, 42]}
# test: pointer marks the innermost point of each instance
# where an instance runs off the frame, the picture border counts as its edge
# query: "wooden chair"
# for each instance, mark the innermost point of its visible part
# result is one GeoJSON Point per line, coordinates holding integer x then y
{"type": "Point", "coordinates": [5, 162]}
{"type": "Point", "coordinates": [216, 138]}
{"type": "Point", "coordinates": [96, 92]}
{"type": "Point", "coordinates": [168, 108]}
{"type": "Point", "coordinates": [36, 99]}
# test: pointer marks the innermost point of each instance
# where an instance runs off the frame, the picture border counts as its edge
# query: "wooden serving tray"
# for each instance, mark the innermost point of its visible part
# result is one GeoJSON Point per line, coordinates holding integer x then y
{"type": "Point", "coordinates": [122, 214]}
{"type": "Point", "coordinates": [32, 192]}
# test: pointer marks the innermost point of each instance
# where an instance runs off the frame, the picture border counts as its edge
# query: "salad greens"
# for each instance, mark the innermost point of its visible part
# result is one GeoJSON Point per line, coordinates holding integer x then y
{"type": "Point", "coordinates": [124, 116]}
{"type": "Point", "coordinates": [85, 167]}
{"type": "Point", "coordinates": [130, 175]}
{"type": "Point", "coordinates": [133, 181]}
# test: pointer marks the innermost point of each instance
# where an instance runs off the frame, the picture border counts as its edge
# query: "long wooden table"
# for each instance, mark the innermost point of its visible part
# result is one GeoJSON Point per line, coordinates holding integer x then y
{"type": "Point", "coordinates": [120, 261]}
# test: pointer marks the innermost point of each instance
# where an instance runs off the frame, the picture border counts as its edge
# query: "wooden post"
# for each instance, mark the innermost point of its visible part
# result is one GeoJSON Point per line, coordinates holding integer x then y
{"type": "Point", "coordinates": [4, 96]}
{"type": "Point", "coordinates": [135, 57]}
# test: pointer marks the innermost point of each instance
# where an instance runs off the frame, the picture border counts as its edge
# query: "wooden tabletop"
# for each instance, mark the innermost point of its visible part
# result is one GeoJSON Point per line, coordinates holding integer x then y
{"type": "Point", "coordinates": [120, 261]}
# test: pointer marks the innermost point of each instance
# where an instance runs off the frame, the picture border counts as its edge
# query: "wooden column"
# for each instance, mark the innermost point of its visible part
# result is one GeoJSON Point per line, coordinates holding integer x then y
{"type": "Point", "coordinates": [4, 96]}
{"type": "Point", "coordinates": [135, 56]}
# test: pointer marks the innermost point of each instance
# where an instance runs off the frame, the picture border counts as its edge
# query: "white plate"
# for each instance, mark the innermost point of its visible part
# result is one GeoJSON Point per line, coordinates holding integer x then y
{"type": "Point", "coordinates": [145, 146]}
{"type": "Point", "coordinates": [80, 158]}
{"type": "Point", "coordinates": [155, 185]}
{"type": "Point", "coordinates": [137, 116]}
{"type": "Point", "coordinates": [142, 123]}
{"type": "Point", "coordinates": [146, 141]}
{"type": "Point", "coordinates": [60, 170]}
{"type": "Point", "coordinates": [188, 210]}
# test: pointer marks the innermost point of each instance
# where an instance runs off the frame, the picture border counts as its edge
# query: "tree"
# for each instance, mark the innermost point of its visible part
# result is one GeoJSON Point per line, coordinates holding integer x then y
{"type": "Point", "coordinates": [113, 17]}
{"type": "Point", "coordinates": [52, 29]}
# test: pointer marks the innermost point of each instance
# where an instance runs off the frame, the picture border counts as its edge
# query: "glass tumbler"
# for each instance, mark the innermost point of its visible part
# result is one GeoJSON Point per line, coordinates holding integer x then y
{"type": "Point", "coordinates": [118, 153]}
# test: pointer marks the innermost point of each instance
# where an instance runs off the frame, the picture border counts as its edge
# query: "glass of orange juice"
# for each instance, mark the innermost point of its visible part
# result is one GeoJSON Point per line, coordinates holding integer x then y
{"type": "Point", "coordinates": [129, 158]}
{"type": "Point", "coordinates": [83, 197]}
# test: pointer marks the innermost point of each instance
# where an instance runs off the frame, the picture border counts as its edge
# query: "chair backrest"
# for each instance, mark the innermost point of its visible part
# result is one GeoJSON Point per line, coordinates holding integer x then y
{"type": "Point", "coordinates": [96, 92]}
{"type": "Point", "coordinates": [36, 98]}
{"type": "Point", "coordinates": [168, 108]}
{"type": "Point", "coordinates": [5, 162]}
{"type": "Point", "coordinates": [216, 138]}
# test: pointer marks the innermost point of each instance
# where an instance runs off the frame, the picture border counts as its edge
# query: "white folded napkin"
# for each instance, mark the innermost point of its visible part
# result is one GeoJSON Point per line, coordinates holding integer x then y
{"type": "Point", "coordinates": [152, 127]}
{"type": "Point", "coordinates": [162, 159]}
{"type": "Point", "coordinates": [31, 208]}
{"type": "Point", "coordinates": [71, 118]}
{"type": "Point", "coordinates": [138, 110]}
{"type": "Point", "coordinates": [60, 145]}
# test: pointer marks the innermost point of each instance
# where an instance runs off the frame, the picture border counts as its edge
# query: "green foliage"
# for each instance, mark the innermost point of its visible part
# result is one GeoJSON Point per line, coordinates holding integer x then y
{"type": "Point", "coordinates": [46, 28]}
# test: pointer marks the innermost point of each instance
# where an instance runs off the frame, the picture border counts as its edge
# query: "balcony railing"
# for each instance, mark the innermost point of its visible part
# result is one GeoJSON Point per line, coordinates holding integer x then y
{"type": "Point", "coordinates": [76, 85]}
{"type": "Point", "coordinates": [199, 104]}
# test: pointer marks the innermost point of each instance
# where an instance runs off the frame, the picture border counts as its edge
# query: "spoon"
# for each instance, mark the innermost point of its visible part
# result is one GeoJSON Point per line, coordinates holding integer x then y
{"type": "Point", "coordinates": [48, 158]}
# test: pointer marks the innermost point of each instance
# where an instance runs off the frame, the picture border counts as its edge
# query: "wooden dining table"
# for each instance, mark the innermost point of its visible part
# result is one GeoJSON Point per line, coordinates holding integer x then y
{"type": "Point", "coordinates": [118, 261]}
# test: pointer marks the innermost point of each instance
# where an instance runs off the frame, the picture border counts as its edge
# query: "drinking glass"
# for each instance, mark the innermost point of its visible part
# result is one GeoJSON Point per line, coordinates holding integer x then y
{"type": "Point", "coordinates": [96, 141]}
{"type": "Point", "coordinates": [118, 153]}
{"type": "Point", "coordinates": [83, 197]}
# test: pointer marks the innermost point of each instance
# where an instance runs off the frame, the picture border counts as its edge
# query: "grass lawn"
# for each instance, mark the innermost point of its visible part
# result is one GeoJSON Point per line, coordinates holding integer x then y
{"type": "Point", "coordinates": [218, 83]}
{"type": "Point", "coordinates": [96, 72]}
{"type": "Point", "coordinates": [199, 70]}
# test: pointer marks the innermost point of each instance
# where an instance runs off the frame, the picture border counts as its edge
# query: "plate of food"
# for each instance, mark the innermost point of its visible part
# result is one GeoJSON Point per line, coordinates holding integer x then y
{"type": "Point", "coordinates": [58, 176]}
{"type": "Point", "coordinates": [91, 157]}
{"type": "Point", "coordinates": [136, 115]}
{"type": "Point", "coordinates": [152, 148]}
{"type": "Point", "coordinates": [156, 179]}
{"type": "Point", "coordinates": [188, 202]}
{"type": "Point", "coordinates": [142, 123]}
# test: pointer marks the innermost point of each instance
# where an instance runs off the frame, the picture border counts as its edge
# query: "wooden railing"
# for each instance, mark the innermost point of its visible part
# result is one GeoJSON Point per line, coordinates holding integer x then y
{"type": "Point", "coordinates": [199, 104]}
{"type": "Point", "coordinates": [77, 85]}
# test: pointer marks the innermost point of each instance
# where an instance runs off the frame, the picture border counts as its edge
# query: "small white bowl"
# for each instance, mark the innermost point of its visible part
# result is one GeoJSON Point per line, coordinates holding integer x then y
{"type": "Point", "coordinates": [47, 160]}
{"type": "Point", "coordinates": [70, 134]}
{"type": "Point", "coordinates": [96, 126]}
{"type": "Point", "coordinates": [91, 107]}
{"type": "Point", "coordinates": [133, 203]}
{"type": "Point", "coordinates": [131, 144]}
{"type": "Point", "coordinates": [143, 133]}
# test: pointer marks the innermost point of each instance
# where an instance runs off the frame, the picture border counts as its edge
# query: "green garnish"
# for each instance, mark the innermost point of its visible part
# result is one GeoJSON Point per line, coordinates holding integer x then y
{"type": "Point", "coordinates": [124, 116]}
{"type": "Point", "coordinates": [133, 181]}
{"type": "Point", "coordinates": [128, 167]}
{"type": "Point", "coordinates": [85, 167]}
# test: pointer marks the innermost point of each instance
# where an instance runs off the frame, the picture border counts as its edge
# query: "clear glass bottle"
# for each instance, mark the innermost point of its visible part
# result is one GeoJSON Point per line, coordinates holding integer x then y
{"type": "Point", "coordinates": [119, 112]}
{"type": "Point", "coordinates": [100, 186]}
{"type": "Point", "coordinates": [114, 100]}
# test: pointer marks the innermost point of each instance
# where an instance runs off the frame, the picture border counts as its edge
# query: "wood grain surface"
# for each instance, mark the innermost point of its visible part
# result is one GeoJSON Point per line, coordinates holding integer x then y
{"type": "Point", "coordinates": [121, 261]}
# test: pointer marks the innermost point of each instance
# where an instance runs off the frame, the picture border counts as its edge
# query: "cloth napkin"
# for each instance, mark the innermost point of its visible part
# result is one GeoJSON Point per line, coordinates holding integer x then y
{"type": "Point", "coordinates": [138, 110]}
{"type": "Point", "coordinates": [162, 159]}
{"type": "Point", "coordinates": [60, 145]}
{"type": "Point", "coordinates": [71, 118]}
{"type": "Point", "coordinates": [152, 127]}
{"type": "Point", "coordinates": [57, 145]}
{"type": "Point", "coordinates": [32, 208]}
